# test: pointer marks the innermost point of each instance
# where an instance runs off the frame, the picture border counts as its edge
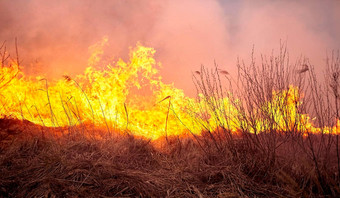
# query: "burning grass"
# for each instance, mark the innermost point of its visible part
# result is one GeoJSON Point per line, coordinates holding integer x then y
{"type": "Point", "coordinates": [271, 132]}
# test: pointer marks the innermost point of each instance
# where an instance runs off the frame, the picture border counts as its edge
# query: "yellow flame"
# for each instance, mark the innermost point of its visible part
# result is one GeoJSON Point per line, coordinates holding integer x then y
{"type": "Point", "coordinates": [131, 96]}
{"type": "Point", "coordinates": [99, 97]}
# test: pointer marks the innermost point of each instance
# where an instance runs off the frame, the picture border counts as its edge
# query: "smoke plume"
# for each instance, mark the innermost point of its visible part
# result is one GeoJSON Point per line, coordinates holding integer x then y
{"type": "Point", "coordinates": [54, 36]}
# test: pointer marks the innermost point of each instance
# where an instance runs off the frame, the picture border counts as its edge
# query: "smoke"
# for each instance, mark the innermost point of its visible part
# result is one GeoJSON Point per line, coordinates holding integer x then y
{"type": "Point", "coordinates": [309, 28]}
{"type": "Point", "coordinates": [54, 36]}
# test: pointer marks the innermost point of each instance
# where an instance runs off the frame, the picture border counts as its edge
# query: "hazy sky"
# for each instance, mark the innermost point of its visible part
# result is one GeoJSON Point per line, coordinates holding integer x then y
{"type": "Point", "coordinates": [54, 35]}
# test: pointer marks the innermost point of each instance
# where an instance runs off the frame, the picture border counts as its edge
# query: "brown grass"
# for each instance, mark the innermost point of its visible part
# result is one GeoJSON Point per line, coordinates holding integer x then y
{"type": "Point", "coordinates": [33, 165]}
{"type": "Point", "coordinates": [37, 161]}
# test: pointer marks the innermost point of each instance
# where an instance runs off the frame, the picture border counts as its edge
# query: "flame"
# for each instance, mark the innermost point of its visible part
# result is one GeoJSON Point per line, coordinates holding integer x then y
{"type": "Point", "coordinates": [130, 95]}
{"type": "Point", "coordinates": [100, 97]}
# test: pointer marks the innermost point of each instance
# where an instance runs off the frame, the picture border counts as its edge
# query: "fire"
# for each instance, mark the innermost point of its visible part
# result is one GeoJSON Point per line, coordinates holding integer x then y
{"type": "Point", "coordinates": [111, 98]}
{"type": "Point", "coordinates": [100, 97]}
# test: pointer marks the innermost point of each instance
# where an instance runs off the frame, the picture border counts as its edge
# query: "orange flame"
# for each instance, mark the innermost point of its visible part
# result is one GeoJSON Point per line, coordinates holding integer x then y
{"type": "Point", "coordinates": [111, 98]}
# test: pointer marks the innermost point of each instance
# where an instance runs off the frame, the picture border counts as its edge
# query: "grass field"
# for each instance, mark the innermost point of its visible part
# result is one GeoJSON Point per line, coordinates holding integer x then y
{"type": "Point", "coordinates": [271, 132]}
{"type": "Point", "coordinates": [124, 166]}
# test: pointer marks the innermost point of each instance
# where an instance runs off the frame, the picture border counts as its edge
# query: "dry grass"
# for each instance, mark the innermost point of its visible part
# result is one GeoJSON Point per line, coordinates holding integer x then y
{"type": "Point", "coordinates": [33, 165]}
{"type": "Point", "coordinates": [37, 161]}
